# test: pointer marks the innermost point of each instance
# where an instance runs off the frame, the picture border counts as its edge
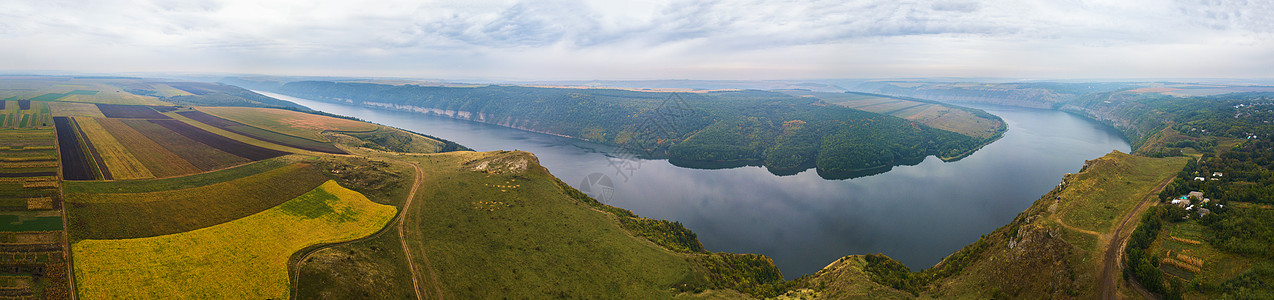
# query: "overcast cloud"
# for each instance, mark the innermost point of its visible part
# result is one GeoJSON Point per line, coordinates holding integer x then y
{"type": "Point", "coordinates": [543, 40]}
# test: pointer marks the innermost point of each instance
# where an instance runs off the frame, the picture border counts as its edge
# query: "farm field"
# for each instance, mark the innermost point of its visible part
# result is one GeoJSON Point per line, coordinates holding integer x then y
{"type": "Point", "coordinates": [197, 154]}
{"type": "Point", "coordinates": [129, 112]}
{"type": "Point", "coordinates": [78, 162]}
{"type": "Point", "coordinates": [936, 115]}
{"type": "Point", "coordinates": [31, 249]}
{"type": "Point", "coordinates": [263, 134]}
{"type": "Point", "coordinates": [117, 157]}
{"type": "Point", "coordinates": [149, 212]}
{"type": "Point", "coordinates": [72, 109]}
{"type": "Point", "coordinates": [293, 123]}
{"type": "Point", "coordinates": [42, 88]}
{"type": "Point", "coordinates": [226, 144]}
{"type": "Point", "coordinates": [156, 159]}
{"type": "Point", "coordinates": [244, 258]}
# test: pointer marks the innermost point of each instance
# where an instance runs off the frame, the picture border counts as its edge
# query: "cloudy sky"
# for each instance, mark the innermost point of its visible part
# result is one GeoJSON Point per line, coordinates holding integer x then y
{"type": "Point", "coordinates": [553, 40]}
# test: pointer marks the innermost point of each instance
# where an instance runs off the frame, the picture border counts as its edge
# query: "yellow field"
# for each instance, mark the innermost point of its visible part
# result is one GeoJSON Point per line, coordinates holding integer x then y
{"type": "Point", "coordinates": [245, 258]}
{"type": "Point", "coordinates": [118, 159]}
{"type": "Point", "coordinates": [288, 122]}
{"type": "Point", "coordinates": [69, 109]}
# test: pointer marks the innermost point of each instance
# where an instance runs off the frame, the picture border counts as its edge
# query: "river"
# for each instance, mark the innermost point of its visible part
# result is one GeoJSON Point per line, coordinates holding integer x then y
{"type": "Point", "coordinates": [915, 214]}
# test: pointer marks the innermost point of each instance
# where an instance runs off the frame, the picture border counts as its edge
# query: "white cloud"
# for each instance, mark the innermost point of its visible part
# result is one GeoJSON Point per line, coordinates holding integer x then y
{"type": "Point", "coordinates": [645, 39]}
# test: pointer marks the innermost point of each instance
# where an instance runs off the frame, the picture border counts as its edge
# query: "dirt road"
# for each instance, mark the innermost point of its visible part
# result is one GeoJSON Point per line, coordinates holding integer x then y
{"type": "Point", "coordinates": [1113, 259]}
{"type": "Point", "coordinates": [402, 238]}
{"type": "Point", "coordinates": [400, 222]}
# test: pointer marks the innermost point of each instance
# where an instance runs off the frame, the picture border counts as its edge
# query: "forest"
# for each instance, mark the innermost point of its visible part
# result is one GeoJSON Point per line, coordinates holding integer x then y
{"type": "Point", "coordinates": [1233, 140]}
{"type": "Point", "coordinates": [786, 134]}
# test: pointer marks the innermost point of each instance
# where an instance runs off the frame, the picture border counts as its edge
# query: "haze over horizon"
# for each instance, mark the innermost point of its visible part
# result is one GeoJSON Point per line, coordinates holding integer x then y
{"type": "Point", "coordinates": [594, 40]}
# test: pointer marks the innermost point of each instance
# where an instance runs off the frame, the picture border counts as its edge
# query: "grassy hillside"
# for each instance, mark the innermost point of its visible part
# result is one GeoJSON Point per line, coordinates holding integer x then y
{"type": "Point", "coordinates": [245, 258]}
{"type": "Point", "coordinates": [1055, 249]}
{"type": "Point", "coordinates": [497, 224]}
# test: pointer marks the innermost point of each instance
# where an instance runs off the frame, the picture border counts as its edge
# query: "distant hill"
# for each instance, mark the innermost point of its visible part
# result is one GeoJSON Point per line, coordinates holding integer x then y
{"type": "Point", "coordinates": [783, 132]}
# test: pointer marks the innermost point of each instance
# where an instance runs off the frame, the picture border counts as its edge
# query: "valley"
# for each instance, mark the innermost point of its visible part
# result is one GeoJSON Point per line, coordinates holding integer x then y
{"type": "Point", "coordinates": [299, 201]}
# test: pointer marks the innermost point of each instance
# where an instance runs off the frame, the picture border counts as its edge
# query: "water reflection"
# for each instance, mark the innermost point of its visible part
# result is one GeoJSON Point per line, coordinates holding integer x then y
{"type": "Point", "coordinates": [916, 214]}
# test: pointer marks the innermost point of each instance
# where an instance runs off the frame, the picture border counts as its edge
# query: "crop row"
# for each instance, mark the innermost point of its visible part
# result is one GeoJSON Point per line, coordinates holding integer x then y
{"type": "Point", "coordinates": [262, 134]}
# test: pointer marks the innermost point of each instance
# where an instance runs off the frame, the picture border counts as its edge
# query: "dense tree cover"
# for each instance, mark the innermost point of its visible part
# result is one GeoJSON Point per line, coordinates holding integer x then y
{"type": "Point", "coordinates": [1140, 265]}
{"type": "Point", "coordinates": [1243, 172]}
{"type": "Point", "coordinates": [669, 234]}
{"type": "Point", "coordinates": [783, 132]}
{"type": "Point", "coordinates": [891, 273]}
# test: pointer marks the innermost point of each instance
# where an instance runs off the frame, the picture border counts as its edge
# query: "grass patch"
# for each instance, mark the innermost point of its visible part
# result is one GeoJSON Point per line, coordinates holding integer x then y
{"type": "Point", "coordinates": [18, 221]}
{"type": "Point", "coordinates": [395, 140]}
{"type": "Point", "coordinates": [244, 258]}
{"type": "Point", "coordinates": [1096, 200]}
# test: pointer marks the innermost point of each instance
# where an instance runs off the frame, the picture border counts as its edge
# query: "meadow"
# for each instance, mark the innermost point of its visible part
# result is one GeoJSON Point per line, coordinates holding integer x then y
{"type": "Point", "coordinates": [244, 258]}
{"type": "Point", "coordinates": [1096, 200]}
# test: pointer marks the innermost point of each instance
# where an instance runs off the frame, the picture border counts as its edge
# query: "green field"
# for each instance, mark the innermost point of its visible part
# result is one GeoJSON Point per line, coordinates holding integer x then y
{"type": "Point", "coordinates": [244, 258]}
{"type": "Point", "coordinates": [145, 214]}
{"type": "Point", "coordinates": [1096, 200]}
{"type": "Point", "coordinates": [19, 221]}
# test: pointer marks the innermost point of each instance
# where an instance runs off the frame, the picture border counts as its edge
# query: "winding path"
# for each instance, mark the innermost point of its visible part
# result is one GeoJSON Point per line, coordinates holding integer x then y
{"type": "Point", "coordinates": [400, 222]}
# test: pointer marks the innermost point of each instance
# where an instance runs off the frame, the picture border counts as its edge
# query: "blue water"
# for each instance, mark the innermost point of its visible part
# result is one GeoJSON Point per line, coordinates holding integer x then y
{"type": "Point", "coordinates": [915, 214]}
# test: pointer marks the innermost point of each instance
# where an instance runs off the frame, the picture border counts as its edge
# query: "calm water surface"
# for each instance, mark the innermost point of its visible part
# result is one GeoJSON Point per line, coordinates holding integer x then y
{"type": "Point", "coordinates": [915, 214]}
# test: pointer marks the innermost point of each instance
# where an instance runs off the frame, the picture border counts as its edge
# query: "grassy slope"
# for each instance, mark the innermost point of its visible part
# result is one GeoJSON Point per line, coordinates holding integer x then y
{"type": "Point", "coordinates": [535, 242]}
{"type": "Point", "coordinates": [243, 258]}
{"type": "Point", "coordinates": [1035, 254]}
{"type": "Point", "coordinates": [534, 239]}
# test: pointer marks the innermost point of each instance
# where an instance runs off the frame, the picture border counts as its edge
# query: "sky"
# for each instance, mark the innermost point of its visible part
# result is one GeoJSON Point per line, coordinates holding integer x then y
{"type": "Point", "coordinates": [630, 40]}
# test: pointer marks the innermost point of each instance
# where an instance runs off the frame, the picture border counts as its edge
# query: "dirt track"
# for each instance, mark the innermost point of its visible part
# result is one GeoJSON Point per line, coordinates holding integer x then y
{"type": "Point", "coordinates": [1113, 259]}
{"type": "Point", "coordinates": [400, 220]}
